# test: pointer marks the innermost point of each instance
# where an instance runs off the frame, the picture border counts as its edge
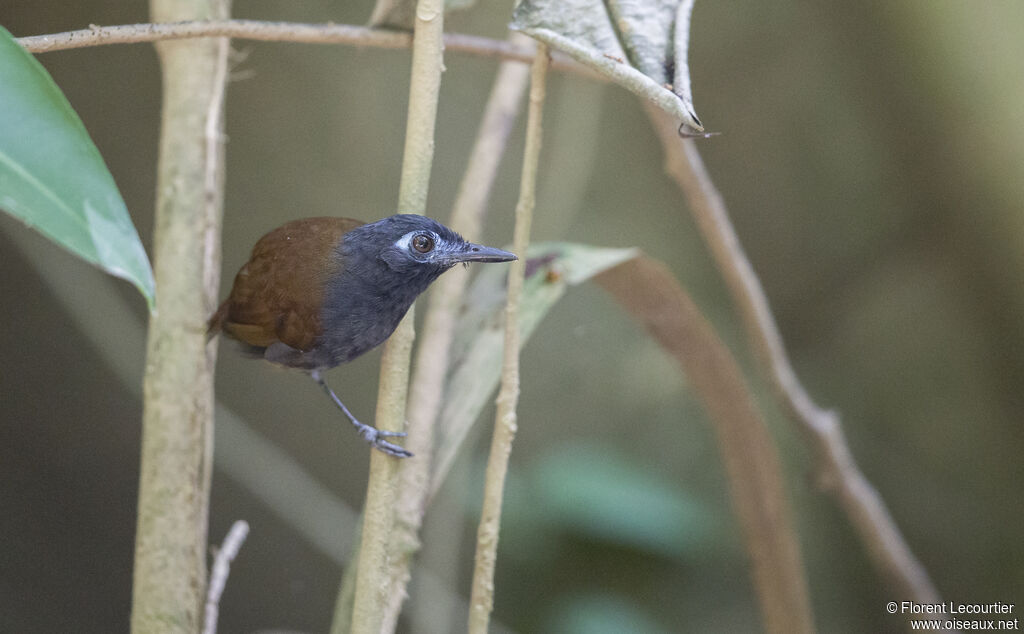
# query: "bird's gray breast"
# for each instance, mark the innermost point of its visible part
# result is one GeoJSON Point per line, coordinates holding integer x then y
{"type": "Point", "coordinates": [362, 308]}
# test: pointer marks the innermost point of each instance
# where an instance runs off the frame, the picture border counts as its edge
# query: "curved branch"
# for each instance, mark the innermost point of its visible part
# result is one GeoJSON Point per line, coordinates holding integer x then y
{"type": "Point", "coordinates": [653, 296]}
{"type": "Point", "coordinates": [837, 471]}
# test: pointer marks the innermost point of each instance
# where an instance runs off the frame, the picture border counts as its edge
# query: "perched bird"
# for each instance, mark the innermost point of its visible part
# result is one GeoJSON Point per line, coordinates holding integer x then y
{"type": "Point", "coordinates": [319, 292]}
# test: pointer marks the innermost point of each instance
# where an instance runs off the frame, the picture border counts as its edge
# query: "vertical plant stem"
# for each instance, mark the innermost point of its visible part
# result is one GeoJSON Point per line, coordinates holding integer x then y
{"type": "Point", "coordinates": [374, 554]}
{"type": "Point", "coordinates": [424, 88]}
{"type": "Point", "coordinates": [431, 363]}
{"type": "Point", "coordinates": [375, 558]}
{"type": "Point", "coordinates": [177, 424]}
{"type": "Point", "coordinates": [482, 597]}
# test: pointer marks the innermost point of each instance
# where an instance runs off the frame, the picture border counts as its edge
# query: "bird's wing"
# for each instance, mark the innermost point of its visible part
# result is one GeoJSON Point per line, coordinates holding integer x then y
{"type": "Point", "coordinates": [278, 294]}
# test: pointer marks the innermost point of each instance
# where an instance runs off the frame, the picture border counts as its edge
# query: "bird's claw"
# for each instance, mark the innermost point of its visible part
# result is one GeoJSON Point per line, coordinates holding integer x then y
{"type": "Point", "coordinates": [376, 438]}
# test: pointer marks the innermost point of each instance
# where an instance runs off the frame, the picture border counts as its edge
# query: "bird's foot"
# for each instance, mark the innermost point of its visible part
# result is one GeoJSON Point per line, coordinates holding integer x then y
{"type": "Point", "coordinates": [376, 438]}
{"type": "Point", "coordinates": [371, 435]}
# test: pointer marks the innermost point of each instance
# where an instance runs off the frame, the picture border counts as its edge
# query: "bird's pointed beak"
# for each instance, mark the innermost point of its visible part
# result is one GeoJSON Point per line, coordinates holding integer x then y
{"type": "Point", "coordinates": [479, 253]}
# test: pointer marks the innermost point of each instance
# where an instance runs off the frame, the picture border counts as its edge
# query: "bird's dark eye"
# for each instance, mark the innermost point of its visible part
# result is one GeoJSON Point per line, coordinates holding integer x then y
{"type": "Point", "coordinates": [423, 243]}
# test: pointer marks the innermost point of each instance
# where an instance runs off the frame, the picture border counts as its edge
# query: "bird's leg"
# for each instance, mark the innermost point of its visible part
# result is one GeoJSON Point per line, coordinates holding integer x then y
{"type": "Point", "coordinates": [372, 435]}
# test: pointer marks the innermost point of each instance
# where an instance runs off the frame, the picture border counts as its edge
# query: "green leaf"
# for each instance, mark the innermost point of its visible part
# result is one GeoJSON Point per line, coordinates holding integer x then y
{"type": "Point", "coordinates": [53, 178]}
{"type": "Point", "coordinates": [596, 493]}
{"type": "Point", "coordinates": [598, 613]}
{"type": "Point", "coordinates": [639, 44]}
{"type": "Point", "coordinates": [602, 494]}
{"type": "Point", "coordinates": [476, 352]}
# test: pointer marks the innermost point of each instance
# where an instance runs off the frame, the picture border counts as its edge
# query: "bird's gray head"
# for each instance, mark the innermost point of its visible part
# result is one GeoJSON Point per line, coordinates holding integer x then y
{"type": "Point", "coordinates": [382, 267]}
{"type": "Point", "coordinates": [410, 243]}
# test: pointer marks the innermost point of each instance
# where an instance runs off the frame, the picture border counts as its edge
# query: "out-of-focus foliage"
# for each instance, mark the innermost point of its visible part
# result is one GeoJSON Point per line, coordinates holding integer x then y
{"type": "Point", "coordinates": [477, 348]}
{"type": "Point", "coordinates": [53, 178]}
{"type": "Point", "coordinates": [599, 614]}
{"type": "Point", "coordinates": [596, 493]}
{"type": "Point", "coordinates": [870, 159]}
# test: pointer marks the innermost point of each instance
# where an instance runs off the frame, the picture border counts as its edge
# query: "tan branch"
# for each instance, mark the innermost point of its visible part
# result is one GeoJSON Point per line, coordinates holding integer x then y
{"type": "Point", "coordinates": [505, 420]}
{"type": "Point", "coordinates": [431, 365]}
{"type": "Point", "coordinates": [177, 425]}
{"type": "Point", "coordinates": [500, 115]}
{"type": "Point", "coordinates": [651, 293]}
{"type": "Point", "coordinates": [286, 32]}
{"type": "Point", "coordinates": [376, 561]}
{"type": "Point", "coordinates": [838, 472]}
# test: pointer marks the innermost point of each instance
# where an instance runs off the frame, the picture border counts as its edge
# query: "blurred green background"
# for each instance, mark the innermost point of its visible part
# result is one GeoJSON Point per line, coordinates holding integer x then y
{"type": "Point", "coordinates": [871, 156]}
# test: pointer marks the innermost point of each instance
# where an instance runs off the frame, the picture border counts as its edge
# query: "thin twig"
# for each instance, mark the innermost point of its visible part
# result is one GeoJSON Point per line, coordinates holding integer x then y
{"type": "Point", "coordinates": [431, 365]}
{"type": "Point", "coordinates": [286, 32]}
{"type": "Point", "coordinates": [240, 29]}
{"type": "Point", "coordinates": [470, 208]}
{"type": "Point", "coordinates": [219, 574]}
{"type": "Point", "coordinates": [837, 471]}
{"type": "Point", "coordinates": [505, 423]}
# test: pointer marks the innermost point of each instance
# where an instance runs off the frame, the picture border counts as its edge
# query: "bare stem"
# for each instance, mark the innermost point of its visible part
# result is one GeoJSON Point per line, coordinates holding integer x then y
{"type": "Point", "coordinates": [378, 517]}
{"type": "Point", "coordinates": [500, 115]}
{"type": "Point", "coordinates": [375, 557]}
{"type": "Point", "coordinates": [287, 32]}
{"type": "Point", "coordinates": [432, 355]}
{"type": "Point", "coordinates": [837, 471]}
{"type": "Point", "coordinates": [177, 436]}
{"type": "Point", "coordinates": [221, 569]}
{"type": "Point", "coordinates": [505, 423]}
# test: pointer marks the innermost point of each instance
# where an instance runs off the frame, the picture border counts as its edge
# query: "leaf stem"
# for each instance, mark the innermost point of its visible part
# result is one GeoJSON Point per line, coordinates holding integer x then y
{"type": "Point", "coordinates": [651, 293]}
{"type": "Point", "coordinates": [505, 422]}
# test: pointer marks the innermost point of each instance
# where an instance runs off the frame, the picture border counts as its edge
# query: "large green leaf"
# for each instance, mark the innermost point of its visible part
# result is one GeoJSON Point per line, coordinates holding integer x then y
{"type": "Point", "coordinates": [53, 178]}
{"type": "Point", "coordinates": [476, 352]}
{"type": "Point", "coordinates": [639, 44]}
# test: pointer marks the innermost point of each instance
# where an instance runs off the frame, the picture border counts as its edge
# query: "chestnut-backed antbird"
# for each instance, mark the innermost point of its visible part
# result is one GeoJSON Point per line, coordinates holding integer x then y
{"type": "Point", "coordinates": [318, 292]}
